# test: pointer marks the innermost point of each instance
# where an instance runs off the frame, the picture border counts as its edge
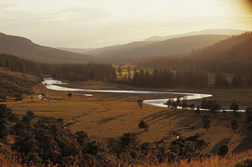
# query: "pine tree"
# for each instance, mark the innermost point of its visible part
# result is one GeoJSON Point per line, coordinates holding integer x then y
{"type": "Point", "coordinates": [237, 81]}
{"type": "Point", "coordinates": [234, 125]}
{"type": "Point", "coordinates": [206, 122]}
{"type": "Point", "coordinates": [143, 125]}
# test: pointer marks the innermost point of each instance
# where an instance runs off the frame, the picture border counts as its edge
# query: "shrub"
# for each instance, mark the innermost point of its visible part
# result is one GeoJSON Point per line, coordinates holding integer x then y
{"type": "Point", "coordinates": [223, 150]}
{"type": "Point", "coordinates": [143, 125]}
{"type": "Point", "coordinates": [129, 140]}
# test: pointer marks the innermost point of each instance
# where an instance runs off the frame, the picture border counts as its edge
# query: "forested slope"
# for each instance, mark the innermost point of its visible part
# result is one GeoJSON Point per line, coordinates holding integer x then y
{"type": "Point", "coordinates": [25, 48]}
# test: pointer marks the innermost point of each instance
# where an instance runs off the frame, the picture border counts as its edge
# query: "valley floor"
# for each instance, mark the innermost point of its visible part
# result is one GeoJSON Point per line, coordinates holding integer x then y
{"type": "Point", "coordinates": [105, 116]}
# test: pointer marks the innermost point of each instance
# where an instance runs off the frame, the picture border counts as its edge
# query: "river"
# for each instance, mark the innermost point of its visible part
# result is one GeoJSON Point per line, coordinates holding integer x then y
{"type": "Point", "coordinates": [53, 84]}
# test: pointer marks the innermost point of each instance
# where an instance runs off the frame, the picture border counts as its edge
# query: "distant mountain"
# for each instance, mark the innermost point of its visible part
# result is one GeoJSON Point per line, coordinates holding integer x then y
{"type": "Point", "coordinates": [203, 32]}
{"type": "Point", "coordinates": [235, 49]}
{"type": "Point", "coordinates": [136, 51]}
{"type": "Point", "coordinates": [93, 51]}
{"type": "Point", "coordinates": [26, 49]}
{"type": "Point", "coordinates": [233, 55]}
{"type": "Point", "coordinates": [100, 51]}
{"type": "Point", "coordinates": [74, 50]}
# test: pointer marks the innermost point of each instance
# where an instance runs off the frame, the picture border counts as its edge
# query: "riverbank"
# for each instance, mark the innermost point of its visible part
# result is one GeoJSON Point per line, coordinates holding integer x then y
{"type": "Point", "coordinates": [57, 85]}
{"type": "Point", "coordinates": [107, 116]}
{"type": "Point", "coordinates": [243, 96]}
{"type": "Point", "coordinates": [159, 97]}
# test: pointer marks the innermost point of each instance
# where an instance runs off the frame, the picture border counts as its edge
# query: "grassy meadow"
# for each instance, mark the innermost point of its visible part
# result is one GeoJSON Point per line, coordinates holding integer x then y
{"type": "Point", "coordinates": [231, 160]}
{"type": "Point", "coordinates": [105, 116]}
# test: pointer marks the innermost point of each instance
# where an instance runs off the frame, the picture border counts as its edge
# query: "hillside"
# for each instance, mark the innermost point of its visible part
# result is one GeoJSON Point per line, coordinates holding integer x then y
{"type": "Point", "coordinates": [221, 57]}
{"type": "Point", "coordinates": [101, 51]}
{"type": "Point", "coordinates": [14, 83]}
{"type": "Point", "coordinates": [138, 50]}
{"type": "Point", "coordinates": [26, 49]}
{"type": "Point", "coordinates": [203, 32]}
{"type": "Point", "coordinates": [235, 49]}
{"type": "Point", "coordinates": [93, 51]}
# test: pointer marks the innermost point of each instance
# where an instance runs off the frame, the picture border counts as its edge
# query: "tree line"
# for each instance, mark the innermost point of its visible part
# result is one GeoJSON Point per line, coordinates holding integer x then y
{"type": "Point", "coordinates": [72, 72]}
{"type": "Point", "coordinates": [237, 81]}
{"type": "Point", "coordinates": [159, 78]}
{"type": "Point", "coordinates": [84, 72]}
{"type": "Point", "coordinates": [187, 64]}
{"type": "Point", "coordinates": [165, 78]}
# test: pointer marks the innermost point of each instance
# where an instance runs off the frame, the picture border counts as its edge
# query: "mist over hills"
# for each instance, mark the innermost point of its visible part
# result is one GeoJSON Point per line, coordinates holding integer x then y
{"type": "Point", "coordinates": [202, 32]}
{"type": "Point", "coordinates": [135, 51]}
{"type": "Point", "coordinates": [233, 55]}
{"type": "Point", "coordinates": [99, 51]}
{"type": "Point", "coordinates": [234, 49]}
{"type": "Point", "coordinates": [131, 52]}
{"type": "Point", "coordinates": [25, 48]}
{"type": "Point", "coordinates": [158, 46]}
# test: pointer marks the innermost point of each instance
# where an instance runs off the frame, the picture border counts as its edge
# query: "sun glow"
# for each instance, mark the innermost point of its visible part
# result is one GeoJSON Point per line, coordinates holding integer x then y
{"type": "Point", "coordinates": [244, 8]}
{"type": "Point", "coordinates": [97, 23]}
{"type": "Point", "coordinates": [247, 5]}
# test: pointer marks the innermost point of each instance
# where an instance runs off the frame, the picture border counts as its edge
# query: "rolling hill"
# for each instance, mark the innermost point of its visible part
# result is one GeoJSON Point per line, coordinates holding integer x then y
{"type": "Point", "coordinates": [94, 51]}
{"type": "Point", "coordinates": [15, 83]}
{"type": "Point", "coordinates": [100, 51]}
{"type": "Point", "coordinates": [136, 51]}
{"type": "Point", "coordinates": [235, 49]}
{"type": "Point", "coordinates": [26, 49]}
{"type": "Point", "coordinates": [233, 55]}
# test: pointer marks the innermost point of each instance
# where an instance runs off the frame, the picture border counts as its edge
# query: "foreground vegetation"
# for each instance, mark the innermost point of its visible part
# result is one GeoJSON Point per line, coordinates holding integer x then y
{"type": "Point", "coordinates": [49, 141]}
{"type": "Point", "coordinates": [234, 160]}
{"type": "Point", "coordinates": [238, 160]}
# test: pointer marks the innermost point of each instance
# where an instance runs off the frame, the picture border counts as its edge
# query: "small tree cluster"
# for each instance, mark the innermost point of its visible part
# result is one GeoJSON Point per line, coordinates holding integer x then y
{"type": "Point", "coordinates": [221, 81]}
{"type": "Point", "coordinates": [213, 106]}
{"type": "Point", "coordinates": [49, 140]}
{"type": "Point", "coordinates": [143, 125]}
{"type": "Point", "coordinates": [234, 124]}
{"type": "Point", "coordinates": [206, 122]}
{"type": "Point", "coordinates": [223, 150]}
{"type": "Point", "coordinates": [198, 110]}
{"type": "Point", "coordinates": [69, 95]}
{"type": "Point", "coordinates": [6, 118]}
{"type": "Point", "coordinates": [186, 148]}
{"type": "Point", "coordinates": [235, 107]}
{"type": "Point", "coordinates": [140, 102]}
{"type": "Point", "coordinates": [237, 81]}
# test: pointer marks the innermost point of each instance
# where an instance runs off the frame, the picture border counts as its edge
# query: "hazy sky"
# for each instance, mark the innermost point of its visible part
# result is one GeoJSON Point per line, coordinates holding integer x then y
{"type": "Point", "coordinates": [96, 23]}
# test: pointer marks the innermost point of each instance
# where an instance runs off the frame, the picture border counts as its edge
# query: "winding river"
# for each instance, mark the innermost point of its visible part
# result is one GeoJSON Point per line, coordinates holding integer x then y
{"type": "Point", "coordinates": [53, 84]}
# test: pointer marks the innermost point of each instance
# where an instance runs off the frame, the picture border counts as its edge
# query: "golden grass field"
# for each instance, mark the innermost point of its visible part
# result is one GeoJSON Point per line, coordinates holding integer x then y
{"type": "Point", "coordinates": [231, 160]}
{"type": "Point", "coordinates": [105, 116]}
{"type": "Point", "coordinates": [216, 161]}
